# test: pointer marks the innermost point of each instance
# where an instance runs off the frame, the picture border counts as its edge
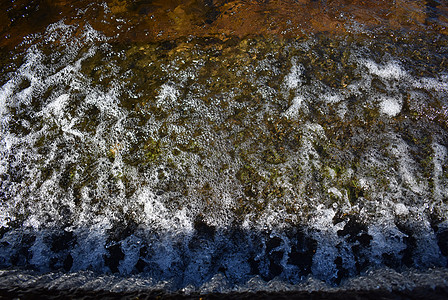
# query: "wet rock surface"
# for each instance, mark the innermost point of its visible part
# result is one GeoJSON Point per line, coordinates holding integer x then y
{"type": "Point", "coordinates": [420, 293]}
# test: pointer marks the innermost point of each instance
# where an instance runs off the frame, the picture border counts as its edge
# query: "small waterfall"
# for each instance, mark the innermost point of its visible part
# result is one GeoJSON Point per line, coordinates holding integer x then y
{"type": "Point", "coordinates": [217, 164]}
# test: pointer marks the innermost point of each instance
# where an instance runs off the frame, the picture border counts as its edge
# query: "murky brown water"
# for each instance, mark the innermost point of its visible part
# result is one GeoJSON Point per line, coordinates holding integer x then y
{"type": "Point", "coordinates": [158, 20]}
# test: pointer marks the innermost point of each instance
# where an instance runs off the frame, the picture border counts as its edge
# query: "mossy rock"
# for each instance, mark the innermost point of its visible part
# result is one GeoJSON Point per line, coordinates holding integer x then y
{"type": "Point", "coordinates": [152, 150]}
{"type": "Point", "coordinates": [248, 175]}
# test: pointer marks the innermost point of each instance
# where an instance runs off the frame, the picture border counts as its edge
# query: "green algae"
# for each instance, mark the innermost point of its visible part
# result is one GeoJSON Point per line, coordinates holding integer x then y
{"type": "Point", "coordinates": [152, 150]}
{"type": "Point", "coordinates": [209, 117]}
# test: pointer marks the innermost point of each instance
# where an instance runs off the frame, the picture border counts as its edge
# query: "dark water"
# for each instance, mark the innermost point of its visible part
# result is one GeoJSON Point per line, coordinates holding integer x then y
{"type": "Point", "coordinates": [224, 147]}
{"type": "Point", "coordinates": [438, 293]}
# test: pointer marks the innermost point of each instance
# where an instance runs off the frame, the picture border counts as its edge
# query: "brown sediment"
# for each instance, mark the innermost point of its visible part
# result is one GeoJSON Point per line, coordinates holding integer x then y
{"type": "Point", "coordinates": [160, 20]}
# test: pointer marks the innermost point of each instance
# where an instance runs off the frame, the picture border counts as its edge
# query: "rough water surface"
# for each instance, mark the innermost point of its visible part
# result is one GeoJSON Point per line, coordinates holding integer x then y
{"type": "Point", "coordinates": [224, 163]}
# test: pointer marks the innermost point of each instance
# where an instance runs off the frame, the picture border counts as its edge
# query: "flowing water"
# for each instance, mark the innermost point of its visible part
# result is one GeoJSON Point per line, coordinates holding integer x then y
{"type": "Point", "coordinates": [217, 146]}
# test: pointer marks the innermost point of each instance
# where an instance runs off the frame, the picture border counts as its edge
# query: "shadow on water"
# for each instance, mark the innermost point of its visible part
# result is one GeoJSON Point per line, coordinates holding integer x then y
{"type": "Point", "coordinates": [234, 255]}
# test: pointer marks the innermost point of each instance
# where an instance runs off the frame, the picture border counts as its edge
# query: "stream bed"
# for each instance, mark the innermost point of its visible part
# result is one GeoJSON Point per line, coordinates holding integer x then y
{"type": "Point", "coordinates": [207, 153]}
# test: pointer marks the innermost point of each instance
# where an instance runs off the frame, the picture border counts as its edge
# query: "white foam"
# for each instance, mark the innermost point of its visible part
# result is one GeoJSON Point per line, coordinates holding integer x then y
{"type": "Point", "coordinates": [440, 155]}
{"type": "Point", "coordinates": [407, 166]}
{"type": "Point", "coordinates": [293, 110]}
{"type": "Point", "coordinates": [168, 94]}
{"type": "Point", "coordinates": [91, 35]}
{"type": "Point", "coordinates": [332, 98]}
{"type": "Point", "coordinates": [401, 209]}
{"type": "Point", "coordinates": [435, 84]}
{"type": "Point", "coordinates": [335, 192]}
{"type": "Point", "coordinates": [293, 79]}
{"type": "Point", "coordinates": [4, 215]}
{"type": "Point", "coordinates": [58, 105]}
{"type": "Point", "coordinates": [390, 107]}
{"type": "Point", "coordinates": [391, 70]}
{"type": "Point", "coordinates": [157, 215]}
